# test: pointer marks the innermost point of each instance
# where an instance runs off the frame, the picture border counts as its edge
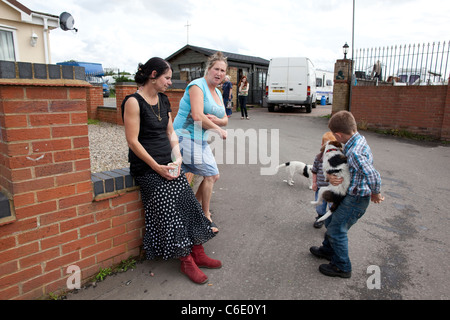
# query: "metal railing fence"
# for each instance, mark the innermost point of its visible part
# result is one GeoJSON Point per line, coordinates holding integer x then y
{"type": "Point", "coordinates": [413, 64]}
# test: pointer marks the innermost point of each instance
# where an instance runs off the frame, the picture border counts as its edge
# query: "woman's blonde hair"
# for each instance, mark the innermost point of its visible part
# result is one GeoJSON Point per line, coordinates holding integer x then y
{"type": "Point", "coordinates": [218, 56]}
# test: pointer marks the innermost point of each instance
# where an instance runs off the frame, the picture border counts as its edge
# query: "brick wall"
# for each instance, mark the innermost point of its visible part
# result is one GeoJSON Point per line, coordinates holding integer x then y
{"type": "Point", "coordinates": [56, 220]}
{"type": "Point", "coordinates": [422, 110]}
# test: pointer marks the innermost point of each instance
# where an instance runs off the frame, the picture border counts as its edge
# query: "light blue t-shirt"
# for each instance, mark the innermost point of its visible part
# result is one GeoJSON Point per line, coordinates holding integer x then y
{"type": "Point", "coordinates": [184, 124]}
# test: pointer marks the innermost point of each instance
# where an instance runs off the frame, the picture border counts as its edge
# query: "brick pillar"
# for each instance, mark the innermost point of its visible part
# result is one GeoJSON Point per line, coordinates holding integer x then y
{"type": "Point", "coordinates": [45, 170]}
{"type": "Point", "coordinates": [94, 99]}
{"type": "Point", "coordinates": [123, 89]}
{"type": "Point", "coordinates": [341, 89]}
{"type": "Point", "coordinates": [445, 132]}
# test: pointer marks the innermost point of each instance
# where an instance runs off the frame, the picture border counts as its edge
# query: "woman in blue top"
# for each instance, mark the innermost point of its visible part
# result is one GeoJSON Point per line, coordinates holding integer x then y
{"type": "Point", "coordinates": [202, 110]}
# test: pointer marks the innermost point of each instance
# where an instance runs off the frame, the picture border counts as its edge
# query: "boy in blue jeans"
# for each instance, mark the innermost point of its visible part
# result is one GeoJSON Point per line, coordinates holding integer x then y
{"type": "Point", "coordinates": [364, 187]}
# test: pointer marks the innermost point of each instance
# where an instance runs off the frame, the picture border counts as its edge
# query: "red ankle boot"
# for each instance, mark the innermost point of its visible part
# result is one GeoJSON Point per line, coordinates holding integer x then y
{"type": "Point", "coordinates": [202, 260]}
{"type": "Point", "coordinates": [189, 268]}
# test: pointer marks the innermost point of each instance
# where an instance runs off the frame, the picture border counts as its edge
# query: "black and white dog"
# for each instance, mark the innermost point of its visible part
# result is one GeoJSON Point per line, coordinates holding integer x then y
{"type": "Point", "coordinates": [334, 162]}
{"type": "Point", "coordinates": [293, 167]}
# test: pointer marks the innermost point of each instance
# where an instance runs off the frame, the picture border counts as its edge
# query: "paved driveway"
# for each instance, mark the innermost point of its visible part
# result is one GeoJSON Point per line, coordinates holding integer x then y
{"type": "Point", "coordinates": [266, 227]}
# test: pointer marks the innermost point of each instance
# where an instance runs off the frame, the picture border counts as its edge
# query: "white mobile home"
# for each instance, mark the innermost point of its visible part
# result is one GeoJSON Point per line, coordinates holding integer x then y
{"type": "Point", "coordinates": [324, 85]}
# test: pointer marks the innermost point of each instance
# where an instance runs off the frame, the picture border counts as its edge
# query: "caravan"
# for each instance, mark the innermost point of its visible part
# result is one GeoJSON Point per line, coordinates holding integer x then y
{"type": "Point", "coordinates": [291, 82]}
{"type": "Point", "coordinates": [324, 86]}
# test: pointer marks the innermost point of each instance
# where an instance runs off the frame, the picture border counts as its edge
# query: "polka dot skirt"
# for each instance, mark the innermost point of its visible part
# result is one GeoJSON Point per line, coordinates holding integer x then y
{"type": "Point", "coordinates": [174, 219]}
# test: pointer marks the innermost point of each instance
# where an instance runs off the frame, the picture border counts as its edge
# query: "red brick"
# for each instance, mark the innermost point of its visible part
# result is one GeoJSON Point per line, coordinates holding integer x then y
{"type": "Point", "coordinates": [60, 215]}
{"type": "Point", "coordinates": [67, 106]}
{"type": "Point", "coordinates": [78, 244]}
{"type": "Point", "coordinates": [37, 93]}
{"type": "Point", "coordinates": [53, 169]}
{"type": "Point", "coordinates": [12, 93]}
{"type": "Point", "coordinates": [52, 145]}
{"type": "Point", "coordinates": [55, 193]}
{"type": "Point", "coordinates": [76, 223]}
{"type": "Point", "coordinates": [7, 243]}
{"type": "Point", "coordinates": [70, 131]}
{"type": "Point", "coordinates": [75, 200]}
{"type": "Point", "coordinates": [38, 258]}
{"type": "Point", "coordinates": [77, 93]}
{"type": "Point", "coordinates": [71, 155]}
{"type": "Point", "coordinates": [95, 228]}
{"type": "Point", "coordinates": [27, 107]}
{"type": "Point", "coordinates": [74, 178]}
{"type": "Point", "coordinates": [81, 142]}
{"type": "Point", "coordinates": [58, 240]}
{"type": "Point", "coordinates": [33, 185]}
{"type": "Point", "coordinates": [14, 121]}
{"type": "Point", "coordinates": [63, 261]}
{"type": "Point", "coordinates": [36, 209]}
{"type": "Point", "coordinates": [77, 118]}
{"type": "Point", "coordinates": [18, 277]}
{"type": "Point", "coordinates": [49, 119]}
{"type": "Point", "coordinates": [26, 134]}
{"type": "Point", "coordinates": [110, 233]}
{"type": "Point", "coordinates": [18, 149]}
{"type": "Point", "coordinates": [29, 161]}
{"type": "Point", "coordinates": [23, 200]}
{"type": "Point", "coordinates": [18, 252]}
{"type": "Point", "coordinates": [40, 281]}
{"type": "Point", "coordinates": [38, 234]}
{"type": "Point", "coordinates": [108, 254]}
{"type": "Point", "coordinates": [99, 247]}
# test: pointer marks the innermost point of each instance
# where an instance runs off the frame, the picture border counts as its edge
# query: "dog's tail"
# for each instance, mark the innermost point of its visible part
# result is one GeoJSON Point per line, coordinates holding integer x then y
{"type": "Point", "coordinates": [286, 164]}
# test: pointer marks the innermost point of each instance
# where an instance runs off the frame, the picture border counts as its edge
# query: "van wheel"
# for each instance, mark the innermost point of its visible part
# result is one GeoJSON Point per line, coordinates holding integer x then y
{"type": "Point", "coordinates": [308, 108]}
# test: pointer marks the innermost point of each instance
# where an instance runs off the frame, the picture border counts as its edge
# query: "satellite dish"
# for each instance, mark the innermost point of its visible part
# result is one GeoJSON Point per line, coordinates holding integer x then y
{"type": "Point", "coordinates": [66, 22]}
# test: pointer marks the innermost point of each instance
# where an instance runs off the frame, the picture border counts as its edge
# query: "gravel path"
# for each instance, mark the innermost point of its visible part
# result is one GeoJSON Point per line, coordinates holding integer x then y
{"type": "Point", "coordinates": [108, 147]}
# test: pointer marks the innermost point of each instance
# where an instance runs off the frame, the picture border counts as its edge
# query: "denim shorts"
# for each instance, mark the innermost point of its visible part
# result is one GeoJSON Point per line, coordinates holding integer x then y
{"type": "Point", "coordinates": [197, 157]}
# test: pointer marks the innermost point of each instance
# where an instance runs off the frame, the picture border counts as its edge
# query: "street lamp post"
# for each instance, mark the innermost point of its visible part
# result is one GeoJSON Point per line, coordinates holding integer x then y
{"type": "Point", "coordinates": [345, 49]}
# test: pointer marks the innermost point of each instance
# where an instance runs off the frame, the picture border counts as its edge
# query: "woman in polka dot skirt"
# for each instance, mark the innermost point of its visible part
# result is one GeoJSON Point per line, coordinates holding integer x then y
{"type": "Point", "coordinates": [175, 224]}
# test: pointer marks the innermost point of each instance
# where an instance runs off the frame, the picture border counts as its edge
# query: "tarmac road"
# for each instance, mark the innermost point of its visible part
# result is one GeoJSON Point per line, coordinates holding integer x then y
{"type": "Point", "coordinates": [266, 227]}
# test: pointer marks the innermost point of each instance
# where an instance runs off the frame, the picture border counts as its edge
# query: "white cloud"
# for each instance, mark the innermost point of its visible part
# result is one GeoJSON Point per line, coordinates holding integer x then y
{"type": "Point", "coordinates": [121, 34]}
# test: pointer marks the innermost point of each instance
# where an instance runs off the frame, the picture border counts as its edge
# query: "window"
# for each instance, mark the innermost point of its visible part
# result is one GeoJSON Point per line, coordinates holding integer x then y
{"type": "Point", "coordinates": [318, 82]}
{"type": "Point", "coordinates": [7, 45]}
{"type": "Point", "coordinates": [329, 83]}
{"type": "Point", "coordinates": [194, 71]}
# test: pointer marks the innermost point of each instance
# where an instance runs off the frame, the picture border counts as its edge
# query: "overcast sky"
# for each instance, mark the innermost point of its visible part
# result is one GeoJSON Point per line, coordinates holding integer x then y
{"type": "Point", "coordinates": [122, 33]}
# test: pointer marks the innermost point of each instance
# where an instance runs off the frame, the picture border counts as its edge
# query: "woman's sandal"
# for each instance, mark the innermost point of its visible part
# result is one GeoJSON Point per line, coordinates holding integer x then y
{"type": "Point", "coordinates": [213, 225]}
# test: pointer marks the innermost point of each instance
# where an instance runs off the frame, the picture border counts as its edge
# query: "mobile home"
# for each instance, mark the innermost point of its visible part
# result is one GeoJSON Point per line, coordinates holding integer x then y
{"type": "Point", "coordinates": [324, 86]}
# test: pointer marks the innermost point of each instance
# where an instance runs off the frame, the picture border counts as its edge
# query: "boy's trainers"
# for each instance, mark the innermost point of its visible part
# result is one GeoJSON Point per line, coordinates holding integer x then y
{"type": "Point", "coordinates": [319, 253]}
{"type": "Point", "coordinates": [319, 224]}
{"type": "Point", "coordinates": [332, 271]}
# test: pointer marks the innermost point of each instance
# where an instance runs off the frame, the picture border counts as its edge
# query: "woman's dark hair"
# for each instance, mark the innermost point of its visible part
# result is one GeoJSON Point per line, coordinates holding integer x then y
{"type": "Point", "coordinates": [145, 71]}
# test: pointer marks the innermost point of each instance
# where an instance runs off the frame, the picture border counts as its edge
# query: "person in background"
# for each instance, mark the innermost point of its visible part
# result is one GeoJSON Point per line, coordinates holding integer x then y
{"type": "Point", "coordinates": [243, 95]}
{"type": "Point", "coordinates": [227, 95]}
{"type": "Point", "coordinates": [319, 180]}
{"type": "Point", "coordinates": [175, 225]}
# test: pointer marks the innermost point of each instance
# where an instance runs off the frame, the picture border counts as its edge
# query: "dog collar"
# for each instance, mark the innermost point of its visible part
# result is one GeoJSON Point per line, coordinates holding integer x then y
{"type": "Point", "coordinates": [333, 149]}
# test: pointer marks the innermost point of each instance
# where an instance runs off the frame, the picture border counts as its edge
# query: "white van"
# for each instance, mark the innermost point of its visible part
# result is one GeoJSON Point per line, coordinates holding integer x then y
{"type": "Point", "coordinates": [291, 82]}
{"type": "Point", "coordinates": [324, 86]}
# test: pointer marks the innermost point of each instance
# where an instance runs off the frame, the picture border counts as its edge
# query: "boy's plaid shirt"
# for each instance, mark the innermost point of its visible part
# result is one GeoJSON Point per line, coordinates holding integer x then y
{"type": "Point", "coordinates": [365, 180]}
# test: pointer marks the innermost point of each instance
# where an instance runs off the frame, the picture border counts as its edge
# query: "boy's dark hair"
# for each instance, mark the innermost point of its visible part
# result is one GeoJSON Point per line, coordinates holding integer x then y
{"type": "Point", "coordinates": [144, 71]}
{"type": "Point", "coordinates": [344, 122]}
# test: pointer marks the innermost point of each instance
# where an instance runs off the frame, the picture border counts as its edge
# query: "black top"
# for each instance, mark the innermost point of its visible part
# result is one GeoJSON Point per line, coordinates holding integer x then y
{"type": "Point", "coordinates": [152, 134]}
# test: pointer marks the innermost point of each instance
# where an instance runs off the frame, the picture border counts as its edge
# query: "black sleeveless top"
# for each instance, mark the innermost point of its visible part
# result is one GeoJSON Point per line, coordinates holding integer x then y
{"type": "Point", "coordinates": [152, 134]}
